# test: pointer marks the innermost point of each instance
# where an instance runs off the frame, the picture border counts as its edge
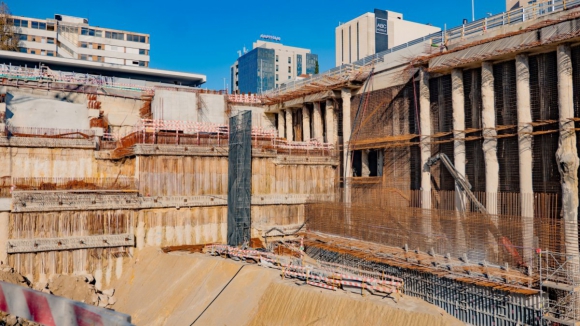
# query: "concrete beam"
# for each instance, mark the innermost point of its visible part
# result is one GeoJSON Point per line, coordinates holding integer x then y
{"type": "Point", "coordinates": [15, 246]}
{"type": "Point", "coordinates": [489, 137]}
{"type": "Point", "coordinates": [567, 156]}
{"type": "Point", "coordinates": [289, 127]}
{"type": "Point", "coordinates": [425, 125]}
{"type": "Point", "coordinates": [306, 134]}
{"type": "Point", "coordinates": [525, 149]}
{"type": "Point", "coordinates": [318, 129]}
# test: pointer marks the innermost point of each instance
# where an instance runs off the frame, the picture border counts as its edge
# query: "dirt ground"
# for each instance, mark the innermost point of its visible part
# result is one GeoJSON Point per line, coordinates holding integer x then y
{"type": "Point", "coordinates": [183, 288]}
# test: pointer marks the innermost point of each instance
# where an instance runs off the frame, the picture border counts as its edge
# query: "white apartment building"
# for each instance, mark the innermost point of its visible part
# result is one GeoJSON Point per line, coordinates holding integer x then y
{"type": "Point", "coordinates": [375, 32]}
{"type": "Point", "coordinates": [73, 38]}
{"type": "Point", "coordinates": [269, 65]}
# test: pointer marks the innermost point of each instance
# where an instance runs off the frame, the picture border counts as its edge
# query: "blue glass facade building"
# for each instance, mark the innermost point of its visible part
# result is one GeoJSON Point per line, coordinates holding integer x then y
{"type": "Point", "coordinates": [256, 71]}
{"type": "Point", "coordinates": [311, 60]}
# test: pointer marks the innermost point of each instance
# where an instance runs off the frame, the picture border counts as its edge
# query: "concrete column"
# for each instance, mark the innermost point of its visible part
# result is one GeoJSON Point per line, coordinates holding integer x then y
{"type": "Point", "coordinates": [425, 125]}
{"type": "Point", "coordinates": [329, 118]}
{"type": "Point", "coordinates": [289, 127]}
{"type": "Point", "coordinates": [346, 130]}
{"type": "Point", "coordinates": [281, 124]}
{"type": "Point", "coordinates": [4, 226]}
{"type": "Point", "coordinates": [489, 137]}
{"type": "Point", "coordinates": [366, 171]}
{"type": "Point", "coordinates": [306, 135]}
{"type": "Point", "coordinates": [458, 103]}
{"type": "Point", "coordinates": [317, 122]}
{"type": "Point", "coordinates": [525, 149]}
{"type": "Point", "coordinates": [567, 156]}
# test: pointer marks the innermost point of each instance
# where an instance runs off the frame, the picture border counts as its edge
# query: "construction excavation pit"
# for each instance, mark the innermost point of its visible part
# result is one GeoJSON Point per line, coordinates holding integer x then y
{"type": "Point", "coordinates": [434, 183]}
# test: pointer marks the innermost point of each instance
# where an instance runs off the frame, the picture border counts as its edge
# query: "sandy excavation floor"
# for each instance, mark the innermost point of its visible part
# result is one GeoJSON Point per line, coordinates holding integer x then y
{"type": "Point", "coordinates": [175, 288]}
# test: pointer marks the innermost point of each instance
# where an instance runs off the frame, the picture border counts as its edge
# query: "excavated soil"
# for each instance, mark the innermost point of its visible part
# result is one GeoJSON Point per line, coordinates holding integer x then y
{"type": "Point", "coordinates": [183, 288]}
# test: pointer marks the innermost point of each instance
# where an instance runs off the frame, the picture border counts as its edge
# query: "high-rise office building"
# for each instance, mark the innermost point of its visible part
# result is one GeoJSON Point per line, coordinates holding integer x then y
{"type": "Point", "coordinates": [375, 32]}
{"type": "Point", "coordinates": [269, 65]}
{"type": "Point", "coordinates": [73, 38]}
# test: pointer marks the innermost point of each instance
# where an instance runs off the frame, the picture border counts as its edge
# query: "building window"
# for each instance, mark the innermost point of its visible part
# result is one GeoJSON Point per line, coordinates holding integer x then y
{"type": "Point", "coordinates": [276, 58]}
{"type": "Point", "coordinates": [84, 45]}
{"type": "Point", "coordinates": [83, 57]}
{"type": "Point", "coordinates": [91, 32]}
{"type": "Point", "coordinates": [276, 67]}
{"type": "Point", "coordinates": [289, 77]}
{"type": "Point", "coordinates": [50, 53]}
{"type": "Point", "coordinates": [42, 52]}
{"type": "Point", "coordinates": [142, 51]}
{"type": "Point", "coordinates": [276, 77]}
{"type": "Point", "coordinates": [136, 38]}
{"type": "Point", "coordinates": [289, 69]}
{"type": "Point", "coordinates": [22, 37]}
{"type": "Point", "coordinates": [20, 23]}
{"type": "Point", "coordinates": [50, 27]}
{"type": "Point", "coordinates": [38, 25]}
{"type": "Point", "coordinates": [115, 35]}
{"type": "Point", "coordinates": [32, 51]}
{"type": "Point", "coordinates": [50, 40]}
{"type": "Point", "coordinates": [289, 59]}
{"type": "Point", "coordinates": [142, 64]}
{"type": "Point", "coordinates": [23, 50]}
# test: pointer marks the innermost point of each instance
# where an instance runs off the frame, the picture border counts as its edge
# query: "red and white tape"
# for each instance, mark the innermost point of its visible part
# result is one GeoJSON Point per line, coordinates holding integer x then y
{"type": "Point", "coordinates": [50, 310]}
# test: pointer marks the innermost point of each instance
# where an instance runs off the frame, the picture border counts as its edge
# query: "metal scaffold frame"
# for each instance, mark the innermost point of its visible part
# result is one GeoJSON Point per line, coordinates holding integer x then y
{"type": "Point", "coordinates": [560, 278]}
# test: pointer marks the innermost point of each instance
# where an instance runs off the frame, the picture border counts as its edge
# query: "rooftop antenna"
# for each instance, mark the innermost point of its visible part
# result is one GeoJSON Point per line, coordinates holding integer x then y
{"type": "Point", "coordinates": [239, 53]}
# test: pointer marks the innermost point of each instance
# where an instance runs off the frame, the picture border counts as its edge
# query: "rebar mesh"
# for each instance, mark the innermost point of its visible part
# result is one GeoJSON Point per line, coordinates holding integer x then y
{"type": "Point", "coordinates": [544, 106]}
{"type": "Point", "coordinates": [504, 75]}
{"type": "Point", "coordinates": [475, 163]}
{"type": "Point", "coordinates": [385, 216]}
{"type": "Point", "coordinates": [442, 123]}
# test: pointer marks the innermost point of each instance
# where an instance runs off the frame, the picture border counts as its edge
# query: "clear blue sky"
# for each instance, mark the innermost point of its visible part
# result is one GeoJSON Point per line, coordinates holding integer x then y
{"type": "Point", "coordinates": [202, 36]}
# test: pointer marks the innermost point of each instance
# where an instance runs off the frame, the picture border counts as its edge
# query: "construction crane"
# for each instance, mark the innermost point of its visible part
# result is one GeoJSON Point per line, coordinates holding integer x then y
{"type": "Point", "coordinates": [466, 188]}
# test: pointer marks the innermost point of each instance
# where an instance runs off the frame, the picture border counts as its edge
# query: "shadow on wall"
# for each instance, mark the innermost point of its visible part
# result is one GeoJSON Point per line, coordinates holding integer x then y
{"type": "Point", "coordinates": [27, 111]}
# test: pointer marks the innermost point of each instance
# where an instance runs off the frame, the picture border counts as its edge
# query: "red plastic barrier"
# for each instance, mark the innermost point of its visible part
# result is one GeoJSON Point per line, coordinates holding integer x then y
{"type": "Point", "coordinates": [51, 310]}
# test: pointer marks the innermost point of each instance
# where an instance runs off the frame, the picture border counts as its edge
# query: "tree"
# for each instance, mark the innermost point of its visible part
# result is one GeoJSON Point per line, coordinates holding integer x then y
{"type": "Point", "coordinates": [8, 37]}
{"type": "Point", "coordinates": [316, 68]}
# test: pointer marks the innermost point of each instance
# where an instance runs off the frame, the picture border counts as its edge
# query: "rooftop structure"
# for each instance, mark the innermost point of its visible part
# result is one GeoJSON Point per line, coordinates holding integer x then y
{"type": "Point", "coordinates": [73, 38]}
{"type": "Point", "coordinates": [269, 65]}
{"type": "Point", "coordinates": [375, 32]}
{"type": "Point", "coordinates": [135, 75]}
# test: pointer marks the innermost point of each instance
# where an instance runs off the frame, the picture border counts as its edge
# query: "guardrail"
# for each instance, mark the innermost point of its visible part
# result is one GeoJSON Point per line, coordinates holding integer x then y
{"type": "Point", "coordinates": [478, 27]}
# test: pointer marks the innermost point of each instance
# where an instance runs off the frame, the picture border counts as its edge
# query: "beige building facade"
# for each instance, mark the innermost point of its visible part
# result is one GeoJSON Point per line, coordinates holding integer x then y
{"type": "Point", "coordinates": [73, 38]}
{"type": "Point", "coordinates": [374, 32]}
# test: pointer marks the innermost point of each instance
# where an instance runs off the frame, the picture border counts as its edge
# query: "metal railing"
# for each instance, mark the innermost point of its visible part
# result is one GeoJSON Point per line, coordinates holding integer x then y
{"type": "Point", "coordinates": [478, 27]}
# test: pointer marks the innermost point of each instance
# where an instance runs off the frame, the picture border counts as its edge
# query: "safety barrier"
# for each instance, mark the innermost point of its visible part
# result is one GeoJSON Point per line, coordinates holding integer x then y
{"type": "Point", "coordinates": [245, 98]}
{"type": "Point", "coordinates": [51, 310]}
